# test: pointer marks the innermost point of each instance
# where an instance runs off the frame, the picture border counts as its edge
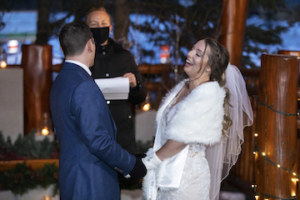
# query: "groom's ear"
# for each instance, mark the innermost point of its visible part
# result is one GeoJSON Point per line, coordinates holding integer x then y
{"type": "Point", "coordinates": [90, 45]}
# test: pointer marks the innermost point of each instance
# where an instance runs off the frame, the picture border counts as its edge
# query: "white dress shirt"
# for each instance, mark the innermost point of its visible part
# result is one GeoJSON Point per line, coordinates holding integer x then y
{"type": "Point", "coordinates": [81, 65]}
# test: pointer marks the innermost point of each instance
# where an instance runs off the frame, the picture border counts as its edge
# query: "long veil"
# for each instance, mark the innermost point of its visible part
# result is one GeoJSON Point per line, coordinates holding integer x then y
{"type": "Point", "coordinates": [223, 155]}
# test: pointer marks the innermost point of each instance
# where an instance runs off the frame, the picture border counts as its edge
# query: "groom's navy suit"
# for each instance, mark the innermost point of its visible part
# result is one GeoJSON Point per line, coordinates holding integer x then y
{"type": "Point", "coordinates": [89, 154]}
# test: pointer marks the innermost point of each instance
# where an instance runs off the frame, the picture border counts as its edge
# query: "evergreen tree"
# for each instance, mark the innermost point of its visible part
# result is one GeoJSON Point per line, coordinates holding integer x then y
{"type": "Point", "coordinates": [177, 23]}
{"type": "Point", "coordinates": [268, 31]}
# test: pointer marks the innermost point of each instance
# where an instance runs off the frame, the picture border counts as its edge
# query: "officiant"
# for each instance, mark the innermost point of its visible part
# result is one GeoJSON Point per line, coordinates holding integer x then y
{"type": "Point", "coordinates": [111, 61]}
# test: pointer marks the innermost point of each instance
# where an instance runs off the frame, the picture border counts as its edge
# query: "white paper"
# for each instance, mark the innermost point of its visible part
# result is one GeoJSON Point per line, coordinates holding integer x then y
{"type": "Point", "coordinates": [114, 88]}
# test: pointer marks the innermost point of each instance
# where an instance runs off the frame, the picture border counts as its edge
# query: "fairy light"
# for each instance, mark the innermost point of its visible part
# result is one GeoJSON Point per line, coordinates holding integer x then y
{"type": "Point", "coordinates": [267, 196]}
{"type": "Point", "coordinates": [255, 134]}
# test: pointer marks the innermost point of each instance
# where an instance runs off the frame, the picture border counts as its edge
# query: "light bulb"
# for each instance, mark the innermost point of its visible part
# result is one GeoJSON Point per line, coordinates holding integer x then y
{"type": "Point", "coordinates": [3, 64]}
{"type": "Point", "coordinates": [146, 107]}
{"type": "Point", "coordinates": [45, 131]}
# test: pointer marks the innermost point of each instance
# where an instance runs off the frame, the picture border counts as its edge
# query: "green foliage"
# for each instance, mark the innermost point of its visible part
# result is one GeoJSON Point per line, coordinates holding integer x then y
{"type": "Point", "coordinates": [267, 33]}
{"type": "Point", "coordinates": [22, 178]}
{"type": "Point", "coordinates": [27, 147]}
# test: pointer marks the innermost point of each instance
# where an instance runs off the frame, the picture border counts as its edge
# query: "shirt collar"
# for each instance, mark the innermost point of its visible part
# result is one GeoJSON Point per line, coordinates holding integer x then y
{"type": "Point", "coordinates": [81, 65]}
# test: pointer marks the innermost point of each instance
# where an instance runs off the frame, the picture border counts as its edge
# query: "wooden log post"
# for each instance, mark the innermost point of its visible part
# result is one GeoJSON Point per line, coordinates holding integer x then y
{"type": "Point", "coordinates": [291, 53]}
{"type": "Point", "coordinates": [233, 24]}
{"type": "Point", "coordinates": [276, 143]}
{"type": "Point", "coordinates": [295, 53]}
{"type": "Point", "coordinates": [37, 70]}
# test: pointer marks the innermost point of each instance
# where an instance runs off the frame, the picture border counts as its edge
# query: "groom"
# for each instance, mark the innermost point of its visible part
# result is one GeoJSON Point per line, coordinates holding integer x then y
{"type": "Point", "coordinates": [89, 155]}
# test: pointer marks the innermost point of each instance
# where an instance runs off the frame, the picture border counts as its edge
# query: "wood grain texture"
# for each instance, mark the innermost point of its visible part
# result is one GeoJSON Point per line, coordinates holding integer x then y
{"type": "Point", "coordinates": [277, 133]}
{"type": "Point", "coordinates": [37, 71]}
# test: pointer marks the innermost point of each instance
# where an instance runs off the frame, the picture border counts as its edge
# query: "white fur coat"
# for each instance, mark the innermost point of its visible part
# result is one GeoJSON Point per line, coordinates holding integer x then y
{"type": "Point", "coordinates": [199, 116]}
{"type": "Point", "coordinates": [198, 119]}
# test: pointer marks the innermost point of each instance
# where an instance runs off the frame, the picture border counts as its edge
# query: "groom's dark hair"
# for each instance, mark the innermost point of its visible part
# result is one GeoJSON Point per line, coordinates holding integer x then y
{"type": "Point", "coordinates": [73, 38]}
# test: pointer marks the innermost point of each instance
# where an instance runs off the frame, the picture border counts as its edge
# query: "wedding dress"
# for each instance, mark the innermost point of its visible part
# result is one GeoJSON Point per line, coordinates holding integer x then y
{"type": "Point", "coordinates": [195, 181]}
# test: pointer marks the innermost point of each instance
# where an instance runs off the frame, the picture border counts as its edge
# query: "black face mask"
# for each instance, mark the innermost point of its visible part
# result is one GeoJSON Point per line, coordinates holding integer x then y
{"type": "Point", "coordinates": [100, 34]}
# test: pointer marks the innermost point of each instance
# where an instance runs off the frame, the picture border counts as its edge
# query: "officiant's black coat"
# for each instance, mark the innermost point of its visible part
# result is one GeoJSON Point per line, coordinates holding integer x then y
{"type": "Point", "coordinates": [113, 61]}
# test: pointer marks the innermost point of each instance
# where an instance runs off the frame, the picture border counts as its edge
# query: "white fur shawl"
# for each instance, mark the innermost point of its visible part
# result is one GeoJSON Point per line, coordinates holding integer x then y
{"type": "Point", "coordinates": [199, 116]}
{"type": "Point", "coordinates": [198, 119]}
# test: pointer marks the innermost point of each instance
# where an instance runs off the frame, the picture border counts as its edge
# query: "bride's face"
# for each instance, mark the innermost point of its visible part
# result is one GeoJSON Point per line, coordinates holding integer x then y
{"type": "Point", "coordinates": [196, 60]}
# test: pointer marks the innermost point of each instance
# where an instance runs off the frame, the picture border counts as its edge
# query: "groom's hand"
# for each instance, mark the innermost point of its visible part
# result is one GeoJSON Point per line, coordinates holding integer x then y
{"type": "Point", "coordinates": [139, 170]}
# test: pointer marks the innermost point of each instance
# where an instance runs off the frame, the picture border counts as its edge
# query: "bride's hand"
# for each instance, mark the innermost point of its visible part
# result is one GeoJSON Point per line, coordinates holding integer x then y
{"type": "Point", "coordinates": [151, 161]}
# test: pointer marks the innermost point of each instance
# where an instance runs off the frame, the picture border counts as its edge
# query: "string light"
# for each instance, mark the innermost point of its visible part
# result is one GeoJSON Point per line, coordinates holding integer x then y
{"type": "Point", "coordinates": [255, 134]}
{"type": "Point", "coordinates": [267, 196]}
{"type": "Point", "coordinates": [273, 163]}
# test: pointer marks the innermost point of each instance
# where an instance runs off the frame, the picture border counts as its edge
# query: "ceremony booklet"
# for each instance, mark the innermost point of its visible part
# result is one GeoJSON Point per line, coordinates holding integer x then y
{"type": "Point", "coordinates": [114, 88]}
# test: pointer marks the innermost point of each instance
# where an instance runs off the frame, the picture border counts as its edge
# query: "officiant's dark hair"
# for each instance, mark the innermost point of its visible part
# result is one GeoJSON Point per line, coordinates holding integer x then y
{"type": "Point", "coordinates": [73, 38]}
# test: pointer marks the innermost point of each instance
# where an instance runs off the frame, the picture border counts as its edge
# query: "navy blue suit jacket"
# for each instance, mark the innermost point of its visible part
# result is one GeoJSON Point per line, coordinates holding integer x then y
{"type": "Point", "coordinates": [89, 155]}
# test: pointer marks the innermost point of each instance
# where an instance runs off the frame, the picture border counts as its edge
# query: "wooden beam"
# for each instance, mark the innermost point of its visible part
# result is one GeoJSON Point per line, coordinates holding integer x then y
{"type": "Point", "coordinates": [233, 24]}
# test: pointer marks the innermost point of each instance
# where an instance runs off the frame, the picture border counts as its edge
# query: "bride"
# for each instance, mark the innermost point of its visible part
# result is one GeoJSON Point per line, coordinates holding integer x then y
{"type": "Point", "coordinates": [199, 128]}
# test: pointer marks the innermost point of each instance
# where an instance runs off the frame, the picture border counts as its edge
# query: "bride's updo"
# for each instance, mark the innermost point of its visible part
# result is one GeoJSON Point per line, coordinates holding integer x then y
{"type": "Point", "coordinates": [218, 59]}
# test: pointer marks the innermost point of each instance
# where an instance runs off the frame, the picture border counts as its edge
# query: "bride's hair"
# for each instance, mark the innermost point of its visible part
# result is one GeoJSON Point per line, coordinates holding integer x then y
{"type": "Point", "coordinates": [218, 59]}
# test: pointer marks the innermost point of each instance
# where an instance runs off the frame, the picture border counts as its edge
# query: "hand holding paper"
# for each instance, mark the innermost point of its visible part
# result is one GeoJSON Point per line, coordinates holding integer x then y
{"type": "Point", "coordinates": [132, 79]}
{"type": "Point", "coordinates": [114, 88]}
